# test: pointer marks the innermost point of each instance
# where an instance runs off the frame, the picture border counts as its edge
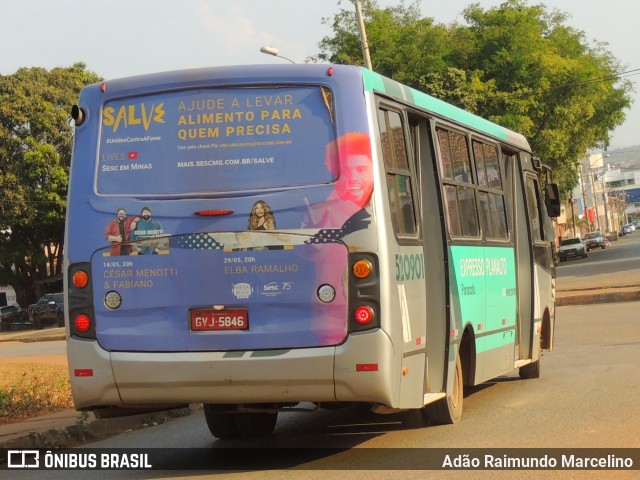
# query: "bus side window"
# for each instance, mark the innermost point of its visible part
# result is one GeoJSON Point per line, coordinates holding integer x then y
{"type": "Point", "coordinates": [459, 192]}
{"type": "Point", "coordinates": [401, 191]}
{"type": "Point", "coordinates": [533, 207]}
{"type": "Point", "coordinates": [493, 215]}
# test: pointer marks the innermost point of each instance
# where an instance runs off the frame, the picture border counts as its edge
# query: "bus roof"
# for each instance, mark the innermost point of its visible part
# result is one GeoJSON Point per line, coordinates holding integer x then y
{"type": "Point", "coordinates": [239, 75]}
{"type": "Point", "coordinates": [376, 82]}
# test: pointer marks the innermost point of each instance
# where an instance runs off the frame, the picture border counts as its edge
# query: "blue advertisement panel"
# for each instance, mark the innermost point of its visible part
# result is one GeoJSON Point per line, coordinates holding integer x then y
{"type": "Point", "coordinates": [215, 140]}
{"type": "Point", "coordinates": [216, 217]}
{"type": "Point", "coordinates": [216, 291]}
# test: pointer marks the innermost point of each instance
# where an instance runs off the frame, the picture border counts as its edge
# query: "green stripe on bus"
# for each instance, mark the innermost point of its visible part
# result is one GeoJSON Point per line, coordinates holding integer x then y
{"type": "Point", "coordinates": [483, 290]}
{"type": "Point", "coordinates": [496, 340]}
{"type": "Point", "coordinates": [374, 81]}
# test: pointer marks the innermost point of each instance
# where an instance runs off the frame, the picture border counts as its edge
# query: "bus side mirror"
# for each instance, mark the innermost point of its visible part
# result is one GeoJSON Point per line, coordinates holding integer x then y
{"type": "Point", "coordinates": [552, 200]}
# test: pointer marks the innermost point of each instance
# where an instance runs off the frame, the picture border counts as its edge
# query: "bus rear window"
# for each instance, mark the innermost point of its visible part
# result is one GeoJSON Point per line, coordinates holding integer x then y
{"type": "Point", "coordinates": [215, 141]}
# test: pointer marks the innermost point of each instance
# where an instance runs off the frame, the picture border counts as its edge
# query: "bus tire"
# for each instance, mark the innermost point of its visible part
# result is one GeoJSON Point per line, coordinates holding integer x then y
{"type": "Point", "coordinates": [255, 425]}
{"type": "Point", "coordinates": [531, 370]}
{"type": "Point", "coordinates": [448, 410]}
{"type": "Point", "coordinates": [221, 425]}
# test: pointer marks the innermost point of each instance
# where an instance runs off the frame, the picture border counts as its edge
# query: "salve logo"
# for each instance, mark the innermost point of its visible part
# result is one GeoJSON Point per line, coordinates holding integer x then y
{"type": "Point", "coordinates": [135, 114]}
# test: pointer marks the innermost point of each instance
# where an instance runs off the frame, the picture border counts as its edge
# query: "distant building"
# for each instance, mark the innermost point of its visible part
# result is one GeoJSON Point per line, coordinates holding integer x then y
{"type": "Point", "coordinates": [607, 194]}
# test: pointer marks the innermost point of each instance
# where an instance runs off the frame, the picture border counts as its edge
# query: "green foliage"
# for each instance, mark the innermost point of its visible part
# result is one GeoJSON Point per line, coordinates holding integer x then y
{"type": "Point", "coordinates": [35, 153]}
{"type": "Point", "coordinates": [516, 64]}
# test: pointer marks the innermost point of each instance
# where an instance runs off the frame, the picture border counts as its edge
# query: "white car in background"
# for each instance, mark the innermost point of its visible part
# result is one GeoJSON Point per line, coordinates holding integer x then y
{"type": "Point", "coordinates": [572, 248]}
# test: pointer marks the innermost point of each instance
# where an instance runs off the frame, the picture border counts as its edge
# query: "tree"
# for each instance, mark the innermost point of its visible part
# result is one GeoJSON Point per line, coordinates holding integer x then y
{"type": "Point", "coordinates": [35, 153]}
{"type": "Point", "coordinates": [518, 65]}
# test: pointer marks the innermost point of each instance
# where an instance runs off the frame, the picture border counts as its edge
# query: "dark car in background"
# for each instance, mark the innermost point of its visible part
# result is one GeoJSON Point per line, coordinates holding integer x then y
{"type": "Point", "coordinates": [12, 317]}
{"type": "Point", "coordinates": [48, 310]}
{"type": "Point", "coordinates": [595, 240]}
{"type": "Point", "coordinates": [572, 248]}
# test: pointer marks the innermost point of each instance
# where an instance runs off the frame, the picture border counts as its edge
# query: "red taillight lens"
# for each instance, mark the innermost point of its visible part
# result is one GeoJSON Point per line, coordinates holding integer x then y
{"type": "Point", "coordinates": [363, 315]}
{"type": "Point", "coordinates": [82, 323]}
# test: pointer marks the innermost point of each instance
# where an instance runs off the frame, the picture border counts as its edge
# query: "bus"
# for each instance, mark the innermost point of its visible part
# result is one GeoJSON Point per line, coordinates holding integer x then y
{"type": "Point", "coordinates": [260, 239]}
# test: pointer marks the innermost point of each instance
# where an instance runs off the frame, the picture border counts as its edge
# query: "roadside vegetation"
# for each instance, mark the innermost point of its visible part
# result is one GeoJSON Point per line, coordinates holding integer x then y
{"type": "Point", "coordinates": [520, 64]}
{"type": "Point", "coordinates": [32, 389]}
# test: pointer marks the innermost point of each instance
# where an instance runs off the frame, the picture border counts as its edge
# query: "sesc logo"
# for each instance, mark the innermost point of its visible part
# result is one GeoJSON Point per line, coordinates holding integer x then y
{"type": "Point", "coordinates": [274, 288]}
{"type": "Point", "coordinates": [270, 287]}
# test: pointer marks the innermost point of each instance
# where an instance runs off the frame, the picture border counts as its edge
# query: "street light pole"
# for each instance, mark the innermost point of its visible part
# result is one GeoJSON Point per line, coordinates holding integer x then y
{"type": "Point", "coordinates": [363, 35]}
{"type": "Point", "coordinates": [273, 51]}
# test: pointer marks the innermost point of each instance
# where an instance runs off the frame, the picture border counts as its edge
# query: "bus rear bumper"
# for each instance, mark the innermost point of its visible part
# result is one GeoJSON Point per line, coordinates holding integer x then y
{"type": "Point", "coordinates": [139, 378]}
{"type": "Point", "coordinates": [122, 379]}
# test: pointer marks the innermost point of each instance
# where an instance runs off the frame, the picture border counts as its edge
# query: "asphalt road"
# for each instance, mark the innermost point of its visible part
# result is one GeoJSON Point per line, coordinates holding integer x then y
{"type": "Point", "coordinates": [618, 265]}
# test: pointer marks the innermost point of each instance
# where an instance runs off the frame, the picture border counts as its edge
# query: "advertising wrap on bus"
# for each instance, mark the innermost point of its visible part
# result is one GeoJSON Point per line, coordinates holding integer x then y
{"type": "Point", "coordinates": [216, 140]}
{"type": "Point", "coordinates": [197, 188]}
{"type": "Point", "coordinates": [275, 284]}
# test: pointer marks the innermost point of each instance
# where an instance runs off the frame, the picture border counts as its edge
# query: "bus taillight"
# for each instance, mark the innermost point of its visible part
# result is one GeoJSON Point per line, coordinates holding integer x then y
{"type": "Point", "coordinates": [363, 315]}
{"type": "Point", "coordinates": [364, 292]}
{"type": "Point", "coordinates": [79, 296]}
{"type": "Point", "coordinates": [82, 323]}
{"type": "Point", "coordinates": [362, 269]}
{"type": "Point", "coordinates": [80, 279]}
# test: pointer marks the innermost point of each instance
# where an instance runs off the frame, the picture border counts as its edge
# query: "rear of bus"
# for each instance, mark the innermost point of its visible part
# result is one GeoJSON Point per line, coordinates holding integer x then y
{"type": "Point", "coordinates": [215, 218]}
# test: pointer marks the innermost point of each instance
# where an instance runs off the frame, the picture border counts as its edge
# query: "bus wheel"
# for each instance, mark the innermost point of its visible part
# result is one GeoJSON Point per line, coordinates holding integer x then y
{"type": "Point", "coordinates": [221, 425]}
{"type": "Point", "coordinates": [449, 409]}
{"type": "Point", "coordinates": [253, 425]}
{"type": "Point", "coordinates": [531, 370]}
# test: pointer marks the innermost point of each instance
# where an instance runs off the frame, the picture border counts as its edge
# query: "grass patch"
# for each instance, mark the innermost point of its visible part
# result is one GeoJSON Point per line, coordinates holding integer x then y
{"type": "Point", "coordinates": [32, 389]}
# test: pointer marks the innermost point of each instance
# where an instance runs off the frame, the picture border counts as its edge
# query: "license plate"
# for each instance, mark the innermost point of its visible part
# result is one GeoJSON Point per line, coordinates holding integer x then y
{"type": "Point", "coordinates": [206, 319]}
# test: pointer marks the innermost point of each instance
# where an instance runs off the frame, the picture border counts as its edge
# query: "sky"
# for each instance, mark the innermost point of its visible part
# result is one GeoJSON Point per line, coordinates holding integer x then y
{"type": "Point", "coordinates": [118, 38]}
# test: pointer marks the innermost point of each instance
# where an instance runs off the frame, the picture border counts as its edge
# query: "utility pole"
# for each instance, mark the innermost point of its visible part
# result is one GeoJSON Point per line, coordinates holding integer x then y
{"type": "Point", "coordinates": [584, 198]}
{"type": "Point", "coordinates": [363, 35]}
{"type": "Point", "coordinates": [606, 210]}
{"type": "Point", "coordinates": [595, 198]}
{"type": "Point", "coordinates": [573, 217]}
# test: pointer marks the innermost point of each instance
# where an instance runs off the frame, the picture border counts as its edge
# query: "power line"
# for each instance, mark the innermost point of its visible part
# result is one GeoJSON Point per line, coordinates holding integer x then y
{"type": "Point", "coordinates": [628, 73]}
